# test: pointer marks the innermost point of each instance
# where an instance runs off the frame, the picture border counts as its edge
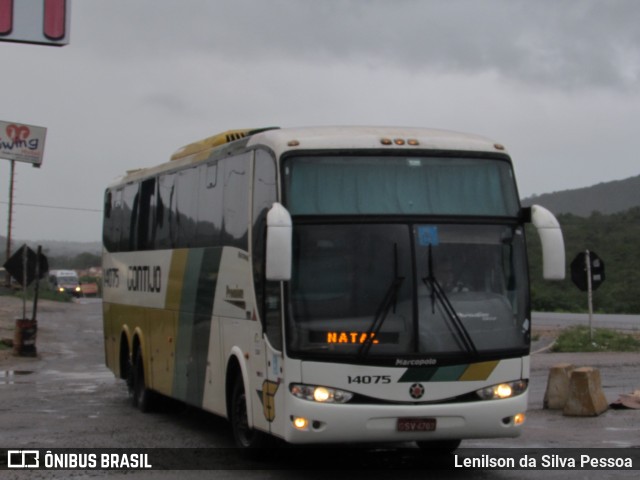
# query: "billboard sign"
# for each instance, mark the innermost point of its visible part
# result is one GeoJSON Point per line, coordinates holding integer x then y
{"type": "Point", "coordinates": [44, 22]}
{"type": "Point", "coordinates": [23, 143]}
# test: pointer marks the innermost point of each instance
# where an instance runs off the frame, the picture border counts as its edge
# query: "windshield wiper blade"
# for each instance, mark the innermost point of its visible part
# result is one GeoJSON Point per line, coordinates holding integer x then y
{"type": "Point", "coordinates": [438, 294]}
{"type": "Point", "coordinates": [381, 314]}
{"type": "Point", "coordinates": [388, 301]}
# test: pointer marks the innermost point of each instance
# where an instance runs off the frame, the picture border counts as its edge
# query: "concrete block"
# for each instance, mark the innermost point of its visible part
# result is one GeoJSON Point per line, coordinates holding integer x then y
{"type": "Point", "coordinates": [557, 392]}
{"type": "Point", "coordinates": [586, 398]}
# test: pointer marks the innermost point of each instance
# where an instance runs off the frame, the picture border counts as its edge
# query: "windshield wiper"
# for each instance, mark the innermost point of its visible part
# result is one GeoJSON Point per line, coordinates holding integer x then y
{"type": "Point", "coordinates": [438, 295]}
{"type": "Point", "coordinates": [382, 312]}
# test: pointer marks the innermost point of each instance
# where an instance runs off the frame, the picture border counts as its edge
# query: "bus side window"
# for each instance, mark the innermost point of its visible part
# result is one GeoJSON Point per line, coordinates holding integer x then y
{"type": "Point", "coordinates": [236, 200]}
{"type": "Point", "coordinates": [267, 293]}
{"type": "Point", "coordinates": [146, 208]}
{"type": "Point", "coordinates": [163, 220]}
{"type": "Point", "coordinates": [113, 223]}
{"type": "Point", "coordinates": [129, 216]}
{"type": "Point", "coordinates": [108, 224]}
{"type": "Point", "coordinates": [107, 204]}
{"type": "Point", "coordinates": [186, 207]}
{"type": "Point", "coordinates": [210, 198]}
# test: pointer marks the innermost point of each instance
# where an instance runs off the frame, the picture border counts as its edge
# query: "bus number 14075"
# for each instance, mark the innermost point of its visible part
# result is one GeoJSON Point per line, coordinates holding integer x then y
{"type": "Point", "coordinates": [369, 379]}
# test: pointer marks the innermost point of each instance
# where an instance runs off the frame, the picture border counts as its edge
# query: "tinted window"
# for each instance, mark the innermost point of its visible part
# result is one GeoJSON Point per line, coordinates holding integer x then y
{"type": "Point", "coordinates": [145, 231]}
{"type": "Point", "coordinates": [164, 215]}
{"type": "Point", "coordinates": [112, 216]}
{"type": "Point", "coordinates": [202, 206]}
{"type": "Point", "coordinates": [236, 200]}
{"type": "Point", "coordinates": [400, 185]}
{"type": "Point", "coordinates": [186, 207]}
{"type": "Point", "coordinates": [267, 293]}
{"type": "Point", "coordinates": [128, 219]}
{"type": "Point", "coordinates": [210, 200]}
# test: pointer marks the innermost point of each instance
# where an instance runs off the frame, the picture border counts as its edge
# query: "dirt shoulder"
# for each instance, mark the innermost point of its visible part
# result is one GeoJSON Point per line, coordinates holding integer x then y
{"type": "Point", "coordinates": [11, 309]}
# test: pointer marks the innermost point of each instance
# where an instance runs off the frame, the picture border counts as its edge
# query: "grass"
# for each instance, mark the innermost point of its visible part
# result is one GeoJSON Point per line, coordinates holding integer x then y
{"type": "Point", "coordinates": [576, 339]}
{"type": "Point", "coordinates": [44, 294]}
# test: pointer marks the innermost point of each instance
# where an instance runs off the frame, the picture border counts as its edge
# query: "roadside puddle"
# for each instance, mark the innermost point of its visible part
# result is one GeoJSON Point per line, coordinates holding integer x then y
{"type": "Point", "coordinates": [11, 377]}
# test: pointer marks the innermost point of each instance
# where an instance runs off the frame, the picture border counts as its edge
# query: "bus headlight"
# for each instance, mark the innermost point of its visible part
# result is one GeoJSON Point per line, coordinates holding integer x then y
{"type": "Point", "coordinates": [503, 390]}
{"type": "Point", "coordinates": [316, 393]}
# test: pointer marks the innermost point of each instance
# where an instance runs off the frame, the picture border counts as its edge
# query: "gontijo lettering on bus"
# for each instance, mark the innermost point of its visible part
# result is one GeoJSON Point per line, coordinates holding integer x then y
{"type": "Point", "coordinates": [144, 278]}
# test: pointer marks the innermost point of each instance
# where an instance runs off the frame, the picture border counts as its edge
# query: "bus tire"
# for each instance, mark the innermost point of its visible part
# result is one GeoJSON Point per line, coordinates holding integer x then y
{"type": "Point", "coordinates": [244, 436]}
{"type": "Point", "coordinates": [142, 397]}
{"type": "Point", "coordinates": [439, 446]}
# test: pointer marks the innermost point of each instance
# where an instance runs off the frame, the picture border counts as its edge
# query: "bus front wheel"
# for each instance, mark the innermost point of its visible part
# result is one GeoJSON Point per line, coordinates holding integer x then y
{"type": "Point", "coordinates": [243, 434]}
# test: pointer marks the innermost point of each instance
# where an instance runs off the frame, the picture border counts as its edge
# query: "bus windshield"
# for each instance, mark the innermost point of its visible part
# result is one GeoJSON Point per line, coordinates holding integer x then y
{"type": "Point", "coordinates": [400, 185]}
{"type": "Point", "coordinates": [369, 290]}
{"type": "Point", "coordinates": [388, 283]}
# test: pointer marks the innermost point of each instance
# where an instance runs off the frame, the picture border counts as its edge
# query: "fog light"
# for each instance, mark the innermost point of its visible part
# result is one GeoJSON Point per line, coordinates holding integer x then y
{"type": "Point", "coordinates": [300, 423]}
{"type": "Point", "coordinates": [519, 418]}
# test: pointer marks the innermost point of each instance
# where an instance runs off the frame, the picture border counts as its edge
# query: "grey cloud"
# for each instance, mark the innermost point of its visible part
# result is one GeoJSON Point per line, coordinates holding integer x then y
{"type": "Point", "coordinates": [556, 43]}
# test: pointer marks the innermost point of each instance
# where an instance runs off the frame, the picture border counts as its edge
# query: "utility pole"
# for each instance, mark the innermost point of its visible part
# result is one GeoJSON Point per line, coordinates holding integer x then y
{"type": "Point", "coordinates": [10, 219]}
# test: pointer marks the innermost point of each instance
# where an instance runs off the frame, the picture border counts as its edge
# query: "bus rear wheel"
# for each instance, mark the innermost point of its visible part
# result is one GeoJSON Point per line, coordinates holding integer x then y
{"type": "Point", "coordinates": [243, 434]}
{"type": "Point", "coordinates": [142, 397]}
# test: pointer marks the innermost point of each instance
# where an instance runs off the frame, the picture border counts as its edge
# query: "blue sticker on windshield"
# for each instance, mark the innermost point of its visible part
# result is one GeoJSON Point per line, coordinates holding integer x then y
{"type": "Point", "coordinates": [428, 235]}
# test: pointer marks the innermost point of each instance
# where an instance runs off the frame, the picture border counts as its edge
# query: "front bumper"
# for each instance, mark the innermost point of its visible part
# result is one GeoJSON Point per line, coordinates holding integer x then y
{"type": "Point", "coordinates": [330, 423]}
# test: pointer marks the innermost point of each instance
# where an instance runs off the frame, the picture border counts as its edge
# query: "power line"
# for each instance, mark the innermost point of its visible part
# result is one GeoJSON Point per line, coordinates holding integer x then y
{"type": "Point", "coordinates": [53, 207]}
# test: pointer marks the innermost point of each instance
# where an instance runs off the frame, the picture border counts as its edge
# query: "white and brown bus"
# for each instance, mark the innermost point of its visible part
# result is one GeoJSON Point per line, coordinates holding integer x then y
{"type": "Point", "coordinates": [329, 284]}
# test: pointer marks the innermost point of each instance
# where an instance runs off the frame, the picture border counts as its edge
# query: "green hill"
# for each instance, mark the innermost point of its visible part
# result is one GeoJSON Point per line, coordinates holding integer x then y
{"type": "Point", "coordinates": [609, 197]}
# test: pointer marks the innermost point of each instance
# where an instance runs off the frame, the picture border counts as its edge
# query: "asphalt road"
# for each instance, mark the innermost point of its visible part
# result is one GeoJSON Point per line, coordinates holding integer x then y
{"type": "Point", "coordinates": [66, 398]}
{"type": "Point", "coordinates": [623, 323]}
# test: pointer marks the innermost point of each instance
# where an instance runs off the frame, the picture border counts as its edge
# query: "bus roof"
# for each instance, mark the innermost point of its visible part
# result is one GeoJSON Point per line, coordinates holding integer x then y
{"type": "Point", "coordinates": [319, 138]}
{"type": "Point", "coordinates": [313, 138]}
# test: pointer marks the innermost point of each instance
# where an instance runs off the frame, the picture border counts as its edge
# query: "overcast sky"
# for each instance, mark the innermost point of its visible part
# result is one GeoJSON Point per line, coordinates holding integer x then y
{"type": "Point", "coordinates": [556, 81]}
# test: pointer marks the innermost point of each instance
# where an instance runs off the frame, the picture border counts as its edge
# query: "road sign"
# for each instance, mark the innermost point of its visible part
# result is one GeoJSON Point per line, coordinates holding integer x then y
{"type": "Point", "coordinates": [18, 265]}
{"type": "Point", "coordinates": [44, 22]}
{"type": "Point", "coordinates": [580, 269]}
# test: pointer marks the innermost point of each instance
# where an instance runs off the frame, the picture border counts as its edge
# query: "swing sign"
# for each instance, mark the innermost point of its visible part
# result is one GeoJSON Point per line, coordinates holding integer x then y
{"type": "Point", "coordinates": [22, 143]}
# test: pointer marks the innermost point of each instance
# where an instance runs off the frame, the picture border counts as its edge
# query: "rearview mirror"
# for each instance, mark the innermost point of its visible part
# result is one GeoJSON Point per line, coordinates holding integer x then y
{"type": "Point", "coordinates": [553, 257]}
{"type": "Point", "coordinates": [279, 248]}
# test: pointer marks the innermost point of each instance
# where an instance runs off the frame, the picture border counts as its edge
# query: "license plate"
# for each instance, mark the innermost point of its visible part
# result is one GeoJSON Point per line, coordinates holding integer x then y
{"type": "Point", "coordinates": [416, 424]}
